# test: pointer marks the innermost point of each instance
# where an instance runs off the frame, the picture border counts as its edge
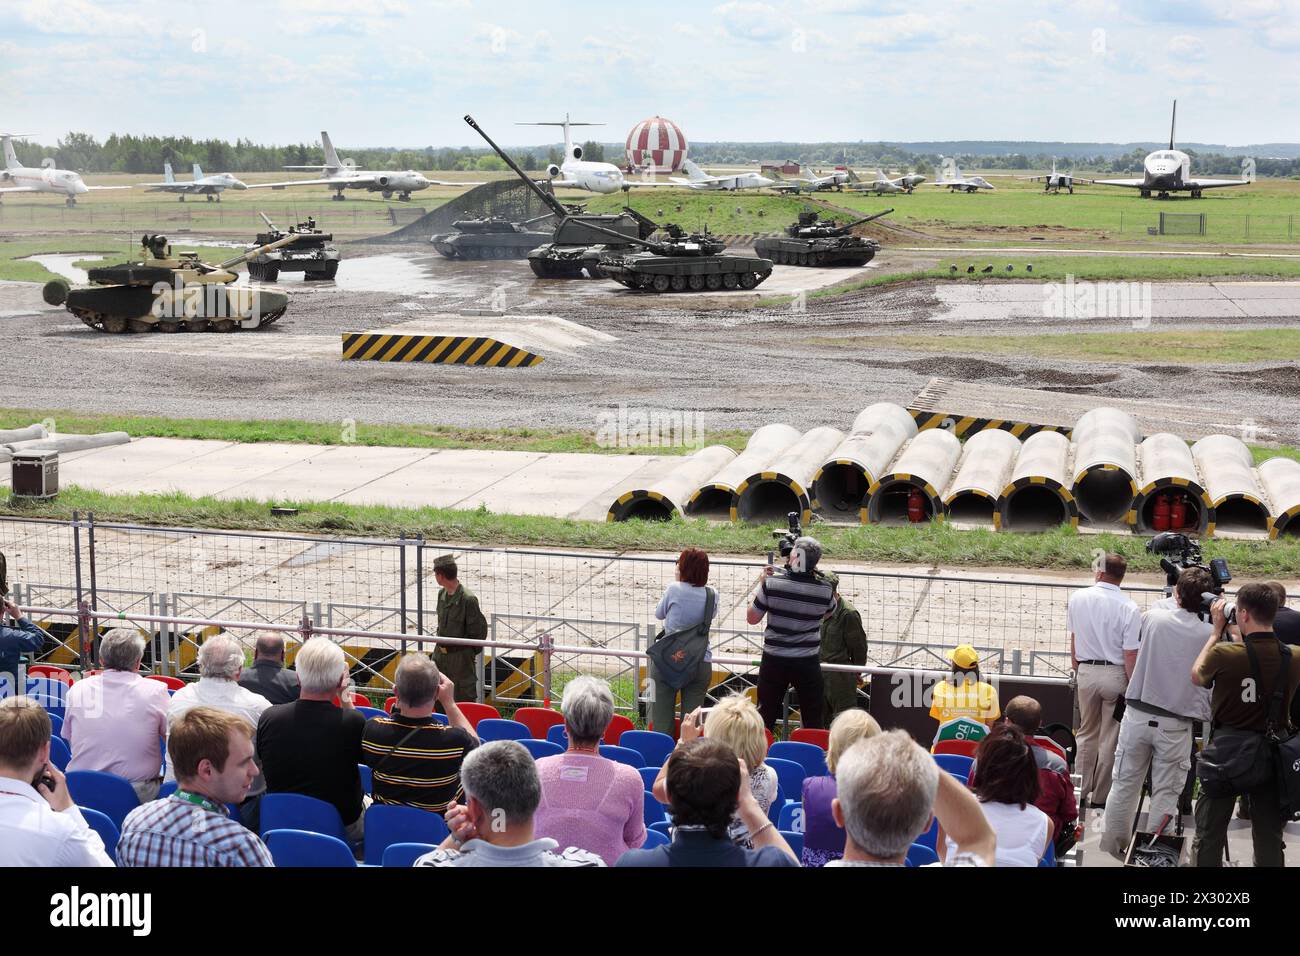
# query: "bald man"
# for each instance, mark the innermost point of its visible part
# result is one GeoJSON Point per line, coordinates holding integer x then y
{"type": "Point", "coordinates": [268, 676]}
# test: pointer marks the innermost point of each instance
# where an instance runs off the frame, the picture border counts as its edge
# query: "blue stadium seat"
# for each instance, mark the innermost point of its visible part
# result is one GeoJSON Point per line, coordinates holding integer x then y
{"type": "Point", "coordinates": [918, 854]}
{"type": "Point", "coordinates": [59, 752]}
{"type": "Point", "coordinates": [809, 756]}
{"type": "Point", "coordinates": [653, 746]}
{"type": "Point", "coordinates": [108, 793]}
{"type": "Point", "coordinates": [931, 836]}
{"type": "Point", "coordinates": [368, 712]}
{"type": "Point", "coordinates": [790, 774]}
{"type": "Point", "coordinates": [648, 776]}
{"type": "Point", "coordinates": [440, 719]}
{"type": "Point", "coordinates": [297, 811]}
{"type": "Point", "coordinates": [405, 854]}
{"type": "Point", "coordinates": [558, 735]}
{"type": "Point", "coordinates": [306, 848]}
{"type": "Point", "coordinates": [494, 728]}
{"type": "Point", "coordinates": [955, 764]}
{"type": "Point", "coordinates": [387, 824]}
{"type": "Point", "coordinates": [167, 789]}
{"type": "Point", "coordinates": [654, 838]}
{"type": "Point", "coordinates": [625, 755]}
{"type": "Point", "coordinates": [50, 694]}
{"type": "Point", "coordinates": [653, 809]}
{"type": "Point", "coordinates": [1049, 857]}
{"type": "Point", "coordinates": [663, 826]}
{"type": "Point", "coordinates": [542, 748]}
{"type": "Point", "coordinates": [367, 776]}
{"type": "Point", "coordinates": [795, 840]}
{"type": "Point", "coordinates": [56, 725]}
{"type": "Point", "coordinates": [791, 817]}
{"type": "Point", "coordinates": [107, 830]}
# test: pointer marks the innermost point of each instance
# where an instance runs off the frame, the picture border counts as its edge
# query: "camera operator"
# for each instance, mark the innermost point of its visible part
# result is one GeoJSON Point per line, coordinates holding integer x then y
{"type": "Point", "coordinates": [1240, 702]}
{"type": "Point", "coordinates": [794, 600]}
{"type": "Point", "coordinates": [1162, 705]}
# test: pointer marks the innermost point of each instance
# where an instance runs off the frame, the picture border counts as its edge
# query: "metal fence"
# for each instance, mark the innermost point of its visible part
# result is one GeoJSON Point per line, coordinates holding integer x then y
{"type": "Point", "coordinates": [599, 606]}
{"type": "Point", "coordinates": [1255, 228]}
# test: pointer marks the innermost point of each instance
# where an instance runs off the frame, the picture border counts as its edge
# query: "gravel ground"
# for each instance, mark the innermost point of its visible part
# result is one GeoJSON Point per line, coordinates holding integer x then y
{"type": "Point", "coordinates": [738, 367]}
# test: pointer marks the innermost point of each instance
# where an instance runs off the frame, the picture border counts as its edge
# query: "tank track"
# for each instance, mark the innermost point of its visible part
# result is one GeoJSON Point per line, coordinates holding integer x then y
{"type": "Point", "coordinates": [116, 324]}
{"type": "Point", "coordinates": [713, 282]}
{"type": "Point", "coordinates": [853, 257]}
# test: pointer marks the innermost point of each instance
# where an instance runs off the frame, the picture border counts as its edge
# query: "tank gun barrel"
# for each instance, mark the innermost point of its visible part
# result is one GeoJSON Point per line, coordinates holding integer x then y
{"type": "Point", "coordinates": [866, 219]}
{"type": "Point", "coordinates": [267, 219]}
{"type": "Point", "coordinates": [551, 202]}
{"type": "Point", "coordinates": [258, 251]}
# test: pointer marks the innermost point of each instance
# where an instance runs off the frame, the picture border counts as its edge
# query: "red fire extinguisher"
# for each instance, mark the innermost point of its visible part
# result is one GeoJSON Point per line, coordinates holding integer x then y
{"type": "Point", "coordinates": [1160, 517]}
{"type": "Point", "coordinates": [1178, 513]}
{"type": "Point", "coordinates": [915, 506]}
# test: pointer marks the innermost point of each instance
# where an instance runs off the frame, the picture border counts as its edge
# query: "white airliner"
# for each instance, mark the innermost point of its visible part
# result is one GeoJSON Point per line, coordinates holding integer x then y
{"type": "Point", "coordinates": [1169, 170]}
{"type": "Point", "coordinates": [699, 179]}
{"type": "Point", "coordinates": [577, 173]}
{"type": "Point", "coordinates": [343, 174]}
{"type": "Point", "coordinates": [200, 185]}
{"type": "Point", "coordinates": [45, 179]}
{"type": "Point", "coordinates": [951, 176]}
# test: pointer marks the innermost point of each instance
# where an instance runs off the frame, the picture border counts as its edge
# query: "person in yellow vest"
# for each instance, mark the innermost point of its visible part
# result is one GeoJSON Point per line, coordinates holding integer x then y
{"type": "Point", "coordinates": [964, 694]}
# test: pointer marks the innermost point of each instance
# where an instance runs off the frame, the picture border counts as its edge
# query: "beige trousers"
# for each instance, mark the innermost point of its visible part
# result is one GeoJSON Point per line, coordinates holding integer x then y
{"type": "Point", "coordinates": [1100, 687]}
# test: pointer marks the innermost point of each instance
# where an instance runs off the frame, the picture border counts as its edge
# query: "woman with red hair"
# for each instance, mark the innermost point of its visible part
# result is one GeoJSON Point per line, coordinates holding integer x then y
{"type": "Point", "coordinates": [682, 607]}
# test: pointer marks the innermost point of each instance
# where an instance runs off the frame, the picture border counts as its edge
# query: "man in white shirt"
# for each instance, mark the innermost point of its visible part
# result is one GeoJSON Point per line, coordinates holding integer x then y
{"type": "Point", "coordinates": [1103, 624]}
{"type": "Point", "coordinates": [39, 824]}
{"type": "Point", "coordinates": [1163, 703]}
{"type": "Point", "coordinates": [221, 661]}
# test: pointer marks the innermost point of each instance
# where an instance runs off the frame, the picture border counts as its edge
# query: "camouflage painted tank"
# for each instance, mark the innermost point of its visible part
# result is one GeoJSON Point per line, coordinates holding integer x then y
{"type": "Point", "coordinates": [492, 238]}
{"type": "Point", "coordinates": [309, 253]}
{"type": "Point", "coordinates": [166, 293]}
{"type": "Point", "coordinates": [684, 262]}
{"type": "Point", "coordinates": [813, 241]}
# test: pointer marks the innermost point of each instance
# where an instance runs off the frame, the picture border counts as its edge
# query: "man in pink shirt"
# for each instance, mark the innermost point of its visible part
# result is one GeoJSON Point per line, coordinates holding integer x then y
{"type": "Point", "coordinates": [115, 721]}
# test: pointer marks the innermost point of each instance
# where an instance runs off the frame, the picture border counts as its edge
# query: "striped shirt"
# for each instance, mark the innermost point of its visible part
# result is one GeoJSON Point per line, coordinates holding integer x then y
{"type": "Point", "coordinates": [174, 832]}
{"type": "Point", "coordinates": [416, 762]}
{"type": "Point", "coordinates": [794, 605]}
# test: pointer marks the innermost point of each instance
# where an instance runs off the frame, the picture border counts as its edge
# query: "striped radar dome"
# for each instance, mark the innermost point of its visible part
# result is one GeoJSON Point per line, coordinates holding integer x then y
{"type": "Point", "coordinates": [657, 145]}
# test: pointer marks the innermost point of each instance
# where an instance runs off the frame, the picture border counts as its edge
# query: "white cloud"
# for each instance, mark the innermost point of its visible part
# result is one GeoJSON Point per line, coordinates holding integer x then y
{"type": "Point", "coordinates": [749, 20]}
{"type": "Point", "coordinates": [904, 31]}
{"type": "Point", "coordinates": [84, 18]}
{"type": "Point", "coordinates": [1187, 47]}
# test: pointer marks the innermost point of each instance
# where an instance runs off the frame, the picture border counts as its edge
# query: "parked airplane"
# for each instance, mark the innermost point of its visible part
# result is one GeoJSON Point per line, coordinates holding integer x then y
{"type": "Point", "coordinates": [807, 182]}
{"type": "Point", "coordinates": [883, 184]}
{"type": "Point", "coordinates": [343, 174]}
{"type": "Point", "coordinates": [1169, 170]}
{"type": "Point", "coordinates": [699, 179]}
{"type": "Point", "coordinates": [45, 179]}
{"type": "Point", "coordinates": [951, 176]}
{"type": "Point", "coordinates": [200, 185]}
{"type": "Point", "coordinates": [578, 173]}
{"type": "Point", "coordinates": [1054, 182]}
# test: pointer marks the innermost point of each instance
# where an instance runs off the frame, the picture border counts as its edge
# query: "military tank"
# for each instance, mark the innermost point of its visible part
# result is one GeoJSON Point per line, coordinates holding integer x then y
{"type": "Point", "coordinates": [493, 237]}
{"type": "Point", "coordinates": [580, 239]}
{"type": "Point", "coordinates": [684, 262]}
{"type": "Point", "coordinates": [813, 241]}
{"type": "Point", "coordinates": [308, 253]}
{"type": "Point", "coordinates": [166, 293]}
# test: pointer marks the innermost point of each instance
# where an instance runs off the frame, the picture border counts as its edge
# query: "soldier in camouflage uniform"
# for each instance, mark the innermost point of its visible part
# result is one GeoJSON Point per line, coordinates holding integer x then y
{"type": "Point", "coordinates": [843, 642]}
{"type": "Point", "coordinates": [458, 616]}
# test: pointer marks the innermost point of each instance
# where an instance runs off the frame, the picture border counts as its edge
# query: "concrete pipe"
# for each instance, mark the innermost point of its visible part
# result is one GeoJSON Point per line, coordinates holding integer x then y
{"type": "Point", "coordinates": [663, 498]}
{"type": "Point", "coordinates": [1105, 465]}
{"type": "Point", "coordinates": [985, 467]}
{"type": "Point", "coordinates": [841, 483]}
{"type": "Point", "coordinates": [1280, 478]}
{"type": "Point", "coordinates": [925, 465]}
{"type": "Point", "coordinates": [713, 497]}
{"type": "Point", "coordinates": [1170, 485]}
{"type": "Point", "coordinates": [69, 443]}
{"type": "Point", "coordinates": [773, 492]}
{"type": "Point", "coordinates": [1038, 495]}
{"type": "Point", "coordinates": [1228, 476]}
{"type": "Point", "coordinates": [9, 435]}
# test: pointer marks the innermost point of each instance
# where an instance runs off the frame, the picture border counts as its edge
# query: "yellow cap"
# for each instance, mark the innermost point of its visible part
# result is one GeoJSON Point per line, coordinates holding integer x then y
{"type": "Point", "coordinates": [964, 656]}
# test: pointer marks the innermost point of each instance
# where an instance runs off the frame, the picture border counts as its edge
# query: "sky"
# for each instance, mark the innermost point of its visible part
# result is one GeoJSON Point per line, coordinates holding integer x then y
{"type": "Point", "coordinates": [403, 72]}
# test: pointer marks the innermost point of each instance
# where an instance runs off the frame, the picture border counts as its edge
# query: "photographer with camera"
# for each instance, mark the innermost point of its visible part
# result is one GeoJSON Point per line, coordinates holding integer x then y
{"type": "Point", "coordinates": [1243, 676]}
{"type": "Point", "coordinates": [794, 599]}
{"type": "Point", "coordinates": [1162, 704]}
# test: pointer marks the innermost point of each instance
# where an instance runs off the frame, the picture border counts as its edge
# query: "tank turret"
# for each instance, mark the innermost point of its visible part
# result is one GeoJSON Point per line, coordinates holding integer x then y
{"type": "Point", "coordinates": [813, 241]}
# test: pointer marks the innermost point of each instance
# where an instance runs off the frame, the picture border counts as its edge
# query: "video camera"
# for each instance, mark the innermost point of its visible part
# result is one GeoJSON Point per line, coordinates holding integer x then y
{"type": "Point", "coordinates": [785, 537]}
{"type": "Point", "coordinates": [1179, 552]}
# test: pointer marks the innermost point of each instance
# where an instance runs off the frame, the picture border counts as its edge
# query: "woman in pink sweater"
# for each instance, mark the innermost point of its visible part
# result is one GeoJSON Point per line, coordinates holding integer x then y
{"type": "Point", "coordinates": [589, 801]}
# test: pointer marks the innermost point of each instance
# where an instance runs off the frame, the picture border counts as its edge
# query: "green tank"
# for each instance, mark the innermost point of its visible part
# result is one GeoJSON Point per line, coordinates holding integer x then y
{"type": "Point", "coordinates": [493, 237]}
{"type": "Point", "coordinates": [166, 293]}
{"type": "Point", "coordinates": [310, 253]}
{"type": "Point", "coordinates": [813, 241]}
{"type": "Point", "coordinates": [684, 262]}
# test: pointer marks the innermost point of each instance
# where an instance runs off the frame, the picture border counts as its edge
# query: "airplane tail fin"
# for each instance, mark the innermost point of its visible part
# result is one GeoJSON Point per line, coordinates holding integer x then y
{"type": "Point", "coordinates": [168, 176]}
{"type": "Point", "coordinates": [11, 158]}
{"type": "Point", "coordinates": [331, 157]}
{"type": "Point", "coordinates": [198, 172]}
{"type": "Point", "coordinates": [693, 171]}
{"type": "Point", "coordinates": [1173, 119]}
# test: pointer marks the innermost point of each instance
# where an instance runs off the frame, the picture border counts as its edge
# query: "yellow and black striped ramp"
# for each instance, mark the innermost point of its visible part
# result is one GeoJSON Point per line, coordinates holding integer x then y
{"type": "Point", "coordinates": [963, 426]}
{"type": "Point", "coordinates": [440, 349]}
